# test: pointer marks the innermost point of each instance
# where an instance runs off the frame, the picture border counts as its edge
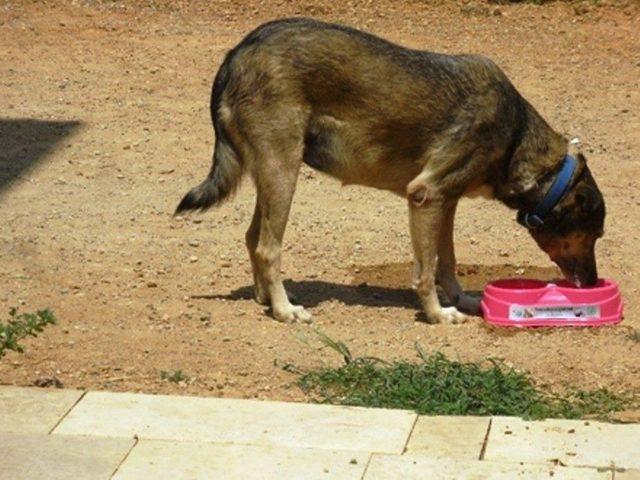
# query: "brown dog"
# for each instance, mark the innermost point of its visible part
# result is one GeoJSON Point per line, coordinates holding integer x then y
{"type": "Point", "coordinates": [428, 127]}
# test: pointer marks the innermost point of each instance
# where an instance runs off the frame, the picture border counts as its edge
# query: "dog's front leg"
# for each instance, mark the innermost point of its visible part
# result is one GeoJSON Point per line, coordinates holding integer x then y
{"type": "Point", "coordinates": [425, 221]}
{"type": "Point", "coordinates": [446, 270]}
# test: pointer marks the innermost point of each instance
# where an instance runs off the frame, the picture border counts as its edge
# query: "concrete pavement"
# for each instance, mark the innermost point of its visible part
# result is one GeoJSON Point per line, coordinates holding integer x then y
{"type": "Point", "coordinates": [63, 434]}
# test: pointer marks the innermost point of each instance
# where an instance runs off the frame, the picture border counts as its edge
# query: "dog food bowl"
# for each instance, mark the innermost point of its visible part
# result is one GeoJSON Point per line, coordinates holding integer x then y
{"type": "Point", "coordinates": [534, 303]}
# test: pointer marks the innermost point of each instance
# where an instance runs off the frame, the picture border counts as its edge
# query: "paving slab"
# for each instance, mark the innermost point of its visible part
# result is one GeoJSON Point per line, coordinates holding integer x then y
{"type": "Point", "coordinates": [49, 457]}
{"type": "Point", "coordinates": [412, 467]}
{"type": "Point", "coordinates": [239, 421]}
{"type": "Point", "coordinates": [164, 460]}
{"type": "Point", "coordinates": [33, 410]}
{"type": "Point", "coordinates": [628, 475]}
{"type": "Point", "coordinates": [571, 442]}
{"type": "Point", "coordinates": [449, 437]}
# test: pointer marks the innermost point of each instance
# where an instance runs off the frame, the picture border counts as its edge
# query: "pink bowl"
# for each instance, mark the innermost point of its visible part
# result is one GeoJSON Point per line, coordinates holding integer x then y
{"type": "Point", "coordinates": [534, 303]}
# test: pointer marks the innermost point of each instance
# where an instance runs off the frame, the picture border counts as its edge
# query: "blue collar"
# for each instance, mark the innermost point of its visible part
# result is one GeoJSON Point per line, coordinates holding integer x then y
{"type": "Point", "coordinates": [559, 188]}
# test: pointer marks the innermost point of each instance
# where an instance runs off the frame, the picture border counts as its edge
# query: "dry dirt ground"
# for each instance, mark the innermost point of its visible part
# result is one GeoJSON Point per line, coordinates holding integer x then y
{"type": "Point", "coordinates": [104, 125]}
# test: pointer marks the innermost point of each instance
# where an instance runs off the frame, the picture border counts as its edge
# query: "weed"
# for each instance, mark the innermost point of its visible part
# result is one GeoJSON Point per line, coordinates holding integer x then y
{"type": "Point", "coordinates": [436, 385]}
{"type": "Point", "coordinates": [175, 377]}
{"type": "Point", "coordinates": [21, 325]}
{"type": "Point", "coordinates": [634, 335]}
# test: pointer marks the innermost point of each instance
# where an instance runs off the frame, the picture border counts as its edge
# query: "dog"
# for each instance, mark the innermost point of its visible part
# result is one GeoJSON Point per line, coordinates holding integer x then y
{"type": "Point", "coordinates": [428, 127]}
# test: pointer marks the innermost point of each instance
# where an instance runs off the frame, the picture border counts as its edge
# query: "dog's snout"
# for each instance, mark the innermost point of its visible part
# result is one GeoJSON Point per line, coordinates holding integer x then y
{"type": "Point", "coordinates": [580, 271]}
{"type": "Point", "coordinates": [587, 273]}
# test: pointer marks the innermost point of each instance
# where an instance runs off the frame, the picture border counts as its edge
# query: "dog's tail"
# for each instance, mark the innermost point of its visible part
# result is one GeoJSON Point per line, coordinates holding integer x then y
{"type": "Point", "coordinates": [223, 179]}
{"type": "Point", "coordinates": [227, 167]}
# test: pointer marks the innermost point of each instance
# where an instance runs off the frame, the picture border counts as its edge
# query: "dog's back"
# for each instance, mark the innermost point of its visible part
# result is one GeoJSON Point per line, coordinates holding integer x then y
{"type": "Point", "coordinates": [366, 110]}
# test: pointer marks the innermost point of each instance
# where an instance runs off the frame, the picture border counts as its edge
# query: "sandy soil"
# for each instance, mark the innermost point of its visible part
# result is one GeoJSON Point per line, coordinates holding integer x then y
{"type": "Point", "coordinates": [104, 125]}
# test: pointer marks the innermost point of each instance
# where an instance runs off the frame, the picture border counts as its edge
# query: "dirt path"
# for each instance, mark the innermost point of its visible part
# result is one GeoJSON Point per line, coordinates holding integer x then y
{"type": "Point", "coordinates": [119, 130]}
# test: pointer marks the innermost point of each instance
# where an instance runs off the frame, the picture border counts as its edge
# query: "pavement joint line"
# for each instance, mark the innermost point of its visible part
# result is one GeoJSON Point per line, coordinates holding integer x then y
{"type": "Point", "coordinates": [124, 459]}
{"type": "Point", "coordinates": [413, 427]}
{"type": "Point", "coordinates": [483, 450]}
{"type": "Point", "coordinates": [68, 412]}
{"type": "Point", "coordinates": [614, 470]}
{"type": "Point", "coordinates": [139, 438]}
{"type": "Point", "coordinates": [366, 467]}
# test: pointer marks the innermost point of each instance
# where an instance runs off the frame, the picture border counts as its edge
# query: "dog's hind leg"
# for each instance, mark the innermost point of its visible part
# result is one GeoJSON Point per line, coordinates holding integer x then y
{"type": "Point", "coordinates": [275, 182]}
{"type": "Point", "coordinates": [252, 237]}
{"type": "Point", "coordinates": [425, 223]}
{"type": "Point", "coordinates": [446, 270]}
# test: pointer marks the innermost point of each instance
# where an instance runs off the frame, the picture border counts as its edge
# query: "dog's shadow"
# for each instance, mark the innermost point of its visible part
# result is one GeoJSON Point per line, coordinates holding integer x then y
{"type": "Point", "coordinates": [377, 285]}
{"type": "Point", "coordinates": [312, 293]}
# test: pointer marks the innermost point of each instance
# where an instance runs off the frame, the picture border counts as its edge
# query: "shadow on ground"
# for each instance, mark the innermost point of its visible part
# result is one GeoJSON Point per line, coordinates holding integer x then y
{"type": "Point", "coordinates": [311, 293]}
{"type": "Point", "coordinates": [388, 285]}
{"type": "Point", "coordinates": [24, 142]}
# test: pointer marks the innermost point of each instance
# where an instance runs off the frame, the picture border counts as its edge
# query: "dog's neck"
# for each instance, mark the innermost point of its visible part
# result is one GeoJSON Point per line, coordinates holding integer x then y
{"type": "Point", "coordinates": [538, 154]}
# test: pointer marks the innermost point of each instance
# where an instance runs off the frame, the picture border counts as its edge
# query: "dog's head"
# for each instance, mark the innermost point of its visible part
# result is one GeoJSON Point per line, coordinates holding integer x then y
{"type": "Point", "coordinates": [571, 229]}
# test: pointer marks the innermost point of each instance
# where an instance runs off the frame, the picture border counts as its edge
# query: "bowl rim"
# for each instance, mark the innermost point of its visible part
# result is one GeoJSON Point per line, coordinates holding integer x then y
{"type": "Point", "coordinates": [535, 285]}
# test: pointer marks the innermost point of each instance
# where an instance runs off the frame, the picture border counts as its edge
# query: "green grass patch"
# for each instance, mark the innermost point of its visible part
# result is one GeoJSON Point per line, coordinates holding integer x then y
{"type": "Point", "coordinates": [21, 325]}
{"type": "Point", "coordinates": [436, 385]}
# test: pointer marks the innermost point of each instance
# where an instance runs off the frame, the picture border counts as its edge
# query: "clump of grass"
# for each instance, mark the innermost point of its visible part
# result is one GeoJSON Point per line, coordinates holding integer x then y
{"type": "Point", "coordinates": [436, 385]}
{"type": "Point", "coordinates": [176, 376]}
{"type": "Point", "coordinates": [21, 325]}
{"type": "Point", "coordinates": [634, 335]}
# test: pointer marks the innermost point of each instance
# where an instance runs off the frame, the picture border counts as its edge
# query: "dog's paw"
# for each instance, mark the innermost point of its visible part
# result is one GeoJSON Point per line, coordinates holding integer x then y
{"type": "Point", "coordinates": [449, 315]}
{"type": "Point", "coordinates": [292, 313]}
{"type": "Point", "coordinates": [469, 305]}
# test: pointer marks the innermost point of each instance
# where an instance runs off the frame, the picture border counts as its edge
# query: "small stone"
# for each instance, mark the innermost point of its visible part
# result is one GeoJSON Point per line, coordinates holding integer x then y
{"type": "Point", "coordinates": [194, 243]}
{"type": "Point", "coordinates": [152, 284]}
{"type": "Point", "coordinates": [582, 8]}
{"type": "Point", "coordinates": [193, 259]}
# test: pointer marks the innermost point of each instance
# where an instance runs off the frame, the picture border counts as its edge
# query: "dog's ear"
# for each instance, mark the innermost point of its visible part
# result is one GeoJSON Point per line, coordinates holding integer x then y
{"type": "Point", "coordinates": [588, 199]}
